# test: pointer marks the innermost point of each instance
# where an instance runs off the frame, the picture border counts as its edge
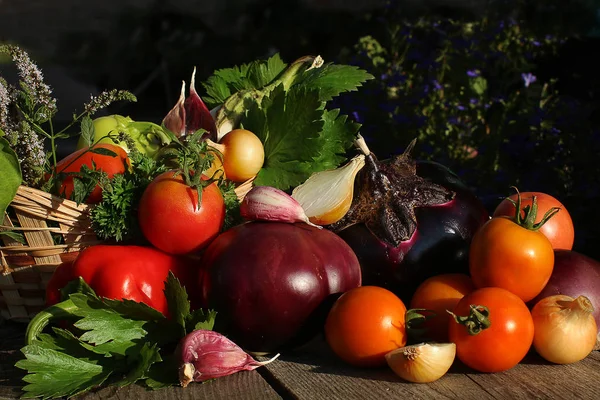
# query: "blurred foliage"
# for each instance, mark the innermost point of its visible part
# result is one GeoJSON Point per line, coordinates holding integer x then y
{"type": "Point", "coordinates": [499, 99]}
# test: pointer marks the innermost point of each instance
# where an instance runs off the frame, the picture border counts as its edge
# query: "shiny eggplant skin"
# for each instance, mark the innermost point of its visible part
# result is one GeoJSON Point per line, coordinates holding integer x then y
{"type": "Point", "coordinates": [439, 245]}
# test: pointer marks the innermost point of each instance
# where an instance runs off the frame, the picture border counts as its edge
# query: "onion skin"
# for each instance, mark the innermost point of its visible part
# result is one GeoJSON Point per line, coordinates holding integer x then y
{"type": "Point", "coordinates": [272, 283]}
{"type": "Point", "coordinates": [439, 245]}
{"type": "Point", "coordinates": [565, 329]}
{"type": "Point", "coordinates": [574, 275]}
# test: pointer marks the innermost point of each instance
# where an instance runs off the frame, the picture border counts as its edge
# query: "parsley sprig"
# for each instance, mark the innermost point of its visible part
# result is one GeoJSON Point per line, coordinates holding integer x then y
{"type": "Point", "coordinates": [113, 342]}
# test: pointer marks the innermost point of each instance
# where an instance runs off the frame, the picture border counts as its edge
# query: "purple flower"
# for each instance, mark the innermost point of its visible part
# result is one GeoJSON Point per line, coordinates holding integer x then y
{"type": "Point", "coordinates": [528, 78]}
{"type": "Point", "coordinates": [473, 101]}
{"type": "Point", "coordinates": [437, 85]}
{"type": "Point", "coordinates": [473, 73]}
{"type": "Point", "coordinates": [460, 107]}
{"type": "Point", "coordinates": [357, 117]}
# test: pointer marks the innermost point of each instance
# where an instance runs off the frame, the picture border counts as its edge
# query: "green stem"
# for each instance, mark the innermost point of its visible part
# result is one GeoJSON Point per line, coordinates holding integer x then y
{"type": "Point", "coordinates": [77, 118]}
{"type": "Point", "coordinates": [40, 321]}
{"type": "Point", "coordinates": [52, 144]}
{"type": "Point", "coordinates": [477, 320]}
{"type": "Point", "coordinates": [527, 221]}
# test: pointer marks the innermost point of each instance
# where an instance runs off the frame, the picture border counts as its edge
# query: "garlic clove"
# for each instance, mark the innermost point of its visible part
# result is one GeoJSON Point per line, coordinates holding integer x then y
{"type": "Point", "coordinates": [422, 363]}
{"type": "Point", "coordinates": [175, 119]}
{"type": "Point", "coordinates": [197, 114]}
{"type": "Point", "coordinates": [326, 196]}
{"type": "Point", "coordinates": [266, 203]}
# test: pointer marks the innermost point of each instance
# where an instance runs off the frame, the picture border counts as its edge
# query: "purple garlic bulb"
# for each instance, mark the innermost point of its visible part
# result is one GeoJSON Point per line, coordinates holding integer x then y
{"type": "Point", "coordinates": [205, 355]}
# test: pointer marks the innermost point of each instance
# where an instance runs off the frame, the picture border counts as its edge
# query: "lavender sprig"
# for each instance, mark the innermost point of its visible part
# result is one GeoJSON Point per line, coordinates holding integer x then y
{"type": "Point", "coordinates": [32, 82]}
{"type": "Point", "coordinates": [31, 155]}
{"type": "Point", "coordinates": [5, 101]}
{"type": "Point", "coordinates": [26, 114]}
{"type": "Point", "coordinates": [106, 98]}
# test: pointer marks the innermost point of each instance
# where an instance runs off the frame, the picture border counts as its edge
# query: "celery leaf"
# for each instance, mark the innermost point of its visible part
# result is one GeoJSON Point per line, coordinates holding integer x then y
{"type": "Point", "coordinates": [332, 79]}
{"type": "Point", "coordinates": [289, 125]}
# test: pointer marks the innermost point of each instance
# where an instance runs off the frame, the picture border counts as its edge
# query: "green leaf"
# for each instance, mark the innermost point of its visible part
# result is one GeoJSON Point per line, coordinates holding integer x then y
{"type": "Point", "coordinates": [134, 310]}
{"type": "Point", "coordinates": [177, 299]}
{"type": "Point", "coordinates": [103, 151]}
{"type": "Point", "coordinates": [284, 120]}
{"type": "Point", "coordinates": [332, 79]}
{"type": "Point", "coordinates": [16, 236]}
{"type": "Point", "coordinates": [87, 130]}
{"type": "Point", "coordinates": [103, 324]}
{"type": "Point", "coordinates": [52, 373]}
{"type": "Point", "coordinates": [10, 171]}
{"type": "Point", "coordinates": [261, 73]}
{"type": "Point", "coordinates": [478, 85]}
{"type": "Point", "coordinates": [142, 360]}
{"type": "Point", "coordinates": [66, 342]}
{"type": "Point", "coordinates": [201, 319]}
{"type": "Point", "coordinates": [76, 286]}
{"type": "Point", "coordinates": [336, 138]}
{"type": "Point", "coordinates": [255, 75]}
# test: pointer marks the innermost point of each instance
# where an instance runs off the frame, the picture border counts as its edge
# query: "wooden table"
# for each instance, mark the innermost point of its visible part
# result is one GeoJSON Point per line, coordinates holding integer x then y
{"type": "Point", "coordinates": [314, 373]}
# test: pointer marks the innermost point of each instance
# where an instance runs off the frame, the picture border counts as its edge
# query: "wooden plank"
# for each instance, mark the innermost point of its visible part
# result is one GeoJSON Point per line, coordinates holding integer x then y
{"type": "Point", "coordinates": [242, 385]}
{"type": "Point", "coordinates": [315, 373]}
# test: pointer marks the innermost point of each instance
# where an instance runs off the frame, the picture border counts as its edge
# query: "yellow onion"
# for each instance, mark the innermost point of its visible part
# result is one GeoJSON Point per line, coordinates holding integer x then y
{"type": "Point", "coordinates": [422, 363]}
{"type": "Point", "coordinates": [564, 328]}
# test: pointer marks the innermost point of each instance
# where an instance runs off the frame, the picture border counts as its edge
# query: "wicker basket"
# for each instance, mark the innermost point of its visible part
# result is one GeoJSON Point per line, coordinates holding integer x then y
{"type": "Point", "coordinates": [55, 230]}
{"type": "Point", "coordinates": [44, 220]}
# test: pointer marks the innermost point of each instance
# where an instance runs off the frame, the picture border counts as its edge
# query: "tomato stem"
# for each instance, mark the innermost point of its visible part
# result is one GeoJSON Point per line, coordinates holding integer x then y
{"type": "Point", "coordinates": [414, 320]}
{"type": "Point", "coordinates": [477, 320]}
{"type": "Point", "coordinates": [527, 220]}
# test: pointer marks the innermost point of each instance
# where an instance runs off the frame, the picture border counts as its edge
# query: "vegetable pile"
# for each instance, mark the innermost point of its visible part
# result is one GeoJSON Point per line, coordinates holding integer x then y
{"type": "Point", "coordinates": [257, 225]}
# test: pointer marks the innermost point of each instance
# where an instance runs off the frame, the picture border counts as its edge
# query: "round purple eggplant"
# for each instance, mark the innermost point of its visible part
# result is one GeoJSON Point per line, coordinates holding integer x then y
{"type": "Point", "coordinates": [272, 283]}
{"type": "Point", "coordinates": [409, 221]}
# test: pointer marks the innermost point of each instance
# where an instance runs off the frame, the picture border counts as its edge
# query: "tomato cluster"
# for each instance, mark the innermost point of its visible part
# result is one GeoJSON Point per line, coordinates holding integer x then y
{"type": "Point", "coordinates": [485, 314]}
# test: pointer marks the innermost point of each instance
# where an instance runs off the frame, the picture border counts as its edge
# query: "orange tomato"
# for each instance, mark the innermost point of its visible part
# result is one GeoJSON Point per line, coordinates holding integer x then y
{"type": "Point", "coordinates": [440, 294]}
{"type": "Point", "coordinates": [558, 229]}
{"type": "Point", "coordinates": [110, 164]}
{"type": "Point", "coordinates": [507, 339]}
{"type": "Point", "coordinates": [365, 324]}
{"type": "Point", "coordinates": [506, 255]}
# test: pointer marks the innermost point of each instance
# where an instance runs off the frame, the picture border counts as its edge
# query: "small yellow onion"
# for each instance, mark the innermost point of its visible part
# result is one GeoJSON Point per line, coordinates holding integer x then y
{"type": "Point", "coordinates": [326, 196]}
{"type": "Point", "coordinates": [243, 154]}
{"type": "Point", "coordinates": [564, 328]}
{"type": "Point", "coordinates": [422, 363]}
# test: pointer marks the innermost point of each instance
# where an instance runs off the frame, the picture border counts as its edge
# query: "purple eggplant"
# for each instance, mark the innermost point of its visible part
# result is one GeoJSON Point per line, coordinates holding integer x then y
{"type": "Point", "coordinates": [409, 221]}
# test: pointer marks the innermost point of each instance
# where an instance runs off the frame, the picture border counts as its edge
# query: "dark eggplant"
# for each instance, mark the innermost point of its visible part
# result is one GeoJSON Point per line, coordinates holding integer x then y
{"type": "Point", "coordinates": [409, 221]}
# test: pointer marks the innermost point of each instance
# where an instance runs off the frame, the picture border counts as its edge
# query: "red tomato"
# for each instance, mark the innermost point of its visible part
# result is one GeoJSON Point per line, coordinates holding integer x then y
{"type": "Point", "coordinates": [439, 294]}
{"type": "Point", "coordinates": [507, 255]}
{"type": "Point", "coordinates": [507, 339]}
{"type": "Point", "coordinates": [170, 219]}
{"type": "Point", "coordinates": [109, 164]}
{"type": "Point", "coordinates": [558, 229]}
{"type": "Point", "coordinates": [365, 324]}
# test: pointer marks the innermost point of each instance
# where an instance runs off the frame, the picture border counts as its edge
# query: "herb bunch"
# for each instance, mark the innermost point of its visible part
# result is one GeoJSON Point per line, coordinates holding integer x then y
{"type": "Point", "coordinates": [115, 342]}
{"type": "Point", "coordinates": [27, 112]}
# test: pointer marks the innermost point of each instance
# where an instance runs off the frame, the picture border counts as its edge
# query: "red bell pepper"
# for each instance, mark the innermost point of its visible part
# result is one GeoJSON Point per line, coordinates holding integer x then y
{"type": "Point", "coordinates": [121, 272]}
